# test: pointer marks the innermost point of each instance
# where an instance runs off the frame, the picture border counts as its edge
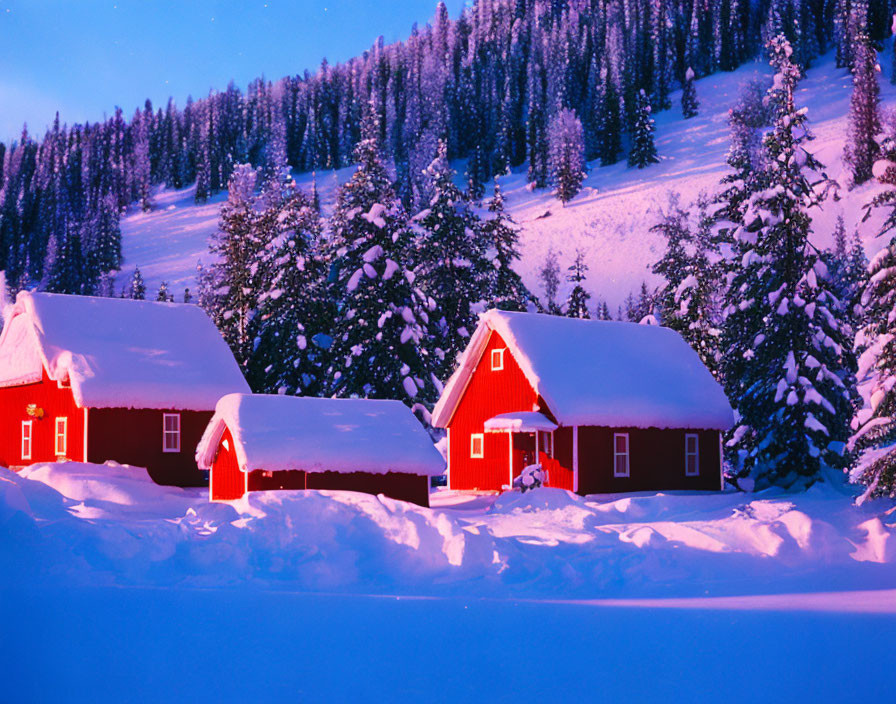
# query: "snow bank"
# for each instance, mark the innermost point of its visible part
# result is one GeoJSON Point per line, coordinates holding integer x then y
{"type": "Point", "coordinates": [320, 435]}
{"type": "Point", "coordinates": [119, 353]}
{"type": "Point", "coordinates": [594, 372]}
{"type": "Point", "coordinates": [95, 524]}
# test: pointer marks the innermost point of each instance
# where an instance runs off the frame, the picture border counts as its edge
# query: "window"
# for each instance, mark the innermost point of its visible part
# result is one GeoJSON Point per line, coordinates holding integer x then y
{"type": "Point", "coordinates": [691, 455]}
{"type": "Point", "coordinates": [61, 437]}
{"type": "Point", "coordinates": [545, 443]}
{"type": "Point", "coordinates": [497, 360]}
{"type": "Point", "coordinates": [171, 432]}
{"type": "Point", "coordinates": [477, 446]}
{"type": "Point", "coordinates": [620, 455]}
{"type": "Point", "coordinates": [27, 429]}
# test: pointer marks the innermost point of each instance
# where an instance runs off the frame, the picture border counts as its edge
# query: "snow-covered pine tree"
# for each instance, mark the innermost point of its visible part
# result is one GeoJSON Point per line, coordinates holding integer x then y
{"type": "Point", "coordinates": [505, 288]}
{"type": "Point", "coordinates": [848, 267]}
{"type": "Point", "coordinates": [875, 429]}
{"type": "Point", "coordinates": [689, 102]}
{"type": "Point", "coordinates": [864, 122]}
{"type": "Point", "coordinates": [609, 119]}
{"type": "Point", "coordinates": [291, 330]}
{"type": "Point", "coordinates": [577, 303]}
{"type": "Point", "coordinates": [786, 358]}
{"type": "Point", "coordinates": [603, 311]}
{"type": "Point", "coordinates": [137, 287]}
{"type": "Point", "coordinates": [643, 150]}
{"type": "Point", "coordinates": [566, 154]}
{"type": "Point", "coordinates": [236, 244]}
{"type": "Point", "coordinates": [689, 301]}
{"type": "Point", "coordinates": [549, 274]}
{"type": "Point", "coordinates": [451, 264]}
{"type": "Point", "coordinates": [384, 325]}
{"type": "Point", "coordinates": [164, 295]}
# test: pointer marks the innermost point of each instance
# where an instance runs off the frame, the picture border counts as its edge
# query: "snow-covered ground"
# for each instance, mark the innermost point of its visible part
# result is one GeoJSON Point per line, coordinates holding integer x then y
{"type": "Point", "coordinates": [334, 596]}
{"type": "Point", "coordinates": [609, 220]}
{"type": "Point", "coordinates": [111, 525]}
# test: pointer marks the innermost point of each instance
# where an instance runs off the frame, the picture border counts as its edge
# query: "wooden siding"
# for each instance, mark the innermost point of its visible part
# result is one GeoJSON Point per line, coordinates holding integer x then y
{"type": "Point", "coordinates": [227, 481]}
{"type": "Point", "coordinates": [656, 460]}
{"type": "Point", "coordinates": [562, 476]}
{"type": "Point", "coordinates": [413, 488]}
{"type": "Point", "coordinates": [487, 394]}
{"type": "Point", "coordinates": [134, 436]}
{"type": "Point", "coordinates": [55, 403]}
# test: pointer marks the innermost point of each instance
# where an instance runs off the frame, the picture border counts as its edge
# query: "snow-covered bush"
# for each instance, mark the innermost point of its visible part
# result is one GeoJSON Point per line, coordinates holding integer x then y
{"type": "Point", "coordinates": [532, 477]}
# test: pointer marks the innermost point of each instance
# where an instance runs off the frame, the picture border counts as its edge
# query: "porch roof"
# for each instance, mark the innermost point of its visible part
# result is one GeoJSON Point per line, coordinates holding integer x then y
{"type": "Point", "coordinates": [520, 422]}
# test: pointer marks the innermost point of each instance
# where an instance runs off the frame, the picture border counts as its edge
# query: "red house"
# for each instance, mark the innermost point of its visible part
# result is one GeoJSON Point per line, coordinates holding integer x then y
{"type": "Point", "coordinates": [95, 379]}
{"type": "Point", "coordinates": [602, 406]}
{"type": "Point", "coordinates": [262, 442]}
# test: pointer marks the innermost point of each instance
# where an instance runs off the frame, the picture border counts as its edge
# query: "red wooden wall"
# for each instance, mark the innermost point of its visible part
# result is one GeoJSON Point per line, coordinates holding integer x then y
{"type": "Point", "coordinates": [488, 394]}
{"type": "Point", "coordinates": [55, 402]}
{"type": "Point", "coordinates": [656, 460]}
{"type": "Point", "coordinates": [226, 481]}
{"type": "Point", "coordinates": [134, 436]}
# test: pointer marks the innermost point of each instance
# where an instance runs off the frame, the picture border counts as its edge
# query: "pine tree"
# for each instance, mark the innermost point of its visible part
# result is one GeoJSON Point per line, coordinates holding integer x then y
{"type": "Point", "coordinates": [163, 295]}
{"type": "Point", "coordinates": [566, 154]}
{"type": "Point", "coordinates": [137, 288]}
{"type": "Point", "coordinates": [609, 121]}
{"type": "Point", "coordinates": [385, 324]}
{"type": "Point", "coordinates": [452, 267]}
{"type": "Point", "coordinates": [787, 363]}
{"type": "Point", "coordinates": [689, 102]}
{"type": "Point", "coordinates": [689, 300]}
{"type": "Point", "coordinates": [236, 244]}
{"type": "Point", "coordinates": [875, 437]}
{"type": "Point", "coordinates": [577, 303]}
{"type": "Point", "coordinates": [505, 289]}
{"type": "Point", "coordinates": [864, 123]}
{"type": "Point", "coordinates": [294, 322]}
{"type": "Point", "coordinates": [643, 150]}
{"type": "Point", "coordinates": [550, 281]}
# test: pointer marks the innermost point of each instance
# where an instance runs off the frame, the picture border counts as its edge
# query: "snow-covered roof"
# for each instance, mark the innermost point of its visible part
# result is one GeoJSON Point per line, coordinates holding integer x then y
{"type": "Point", "coordinates": [603, 373]}
{"type": "Point", "coordinates": [276, 433]}
{"type": "Point", "coordinates": [119, 353]}
{"type": "Point", "coordinates": [520, 422]}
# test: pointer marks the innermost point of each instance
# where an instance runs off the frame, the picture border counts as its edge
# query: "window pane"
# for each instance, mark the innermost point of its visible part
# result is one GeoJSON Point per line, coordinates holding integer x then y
{"type": "Point", "coordinates": [692, 443]}
{"type": "Point", "coordinates": [692, 464]}
{"type": "Point", "coordinates": [620, 464]}
{"type": "Point", "coordinates": [621, 443]}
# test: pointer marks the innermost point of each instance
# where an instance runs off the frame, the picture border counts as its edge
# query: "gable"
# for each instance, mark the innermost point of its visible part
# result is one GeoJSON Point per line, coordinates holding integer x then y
{"type": "Point", "coordinates": [489, 391]}
{"type": "Point", "coordinates": [20, 359]}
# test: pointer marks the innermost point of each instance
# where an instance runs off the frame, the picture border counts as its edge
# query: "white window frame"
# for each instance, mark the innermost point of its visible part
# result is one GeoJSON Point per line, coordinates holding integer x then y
{"type": "Point", "coordinates": [60, 451]}
{"type": "Point", "coordinates": [170, 433]}
{"type": "Point", "coordinates": [30, 439]}
{"type": "Point", "coordinates": [498, 359]}
{"type": "Point", "coordinates": [626, 454]}
{"type": "Point", "coordinates": [473, 438]}
{"type": "Point", "coordinates": [695, 454]}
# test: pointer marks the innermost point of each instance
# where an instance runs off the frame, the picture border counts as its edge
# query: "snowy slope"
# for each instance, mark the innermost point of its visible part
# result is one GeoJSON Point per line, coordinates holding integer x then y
{"type": "Point", "coordinates": [609, 220]}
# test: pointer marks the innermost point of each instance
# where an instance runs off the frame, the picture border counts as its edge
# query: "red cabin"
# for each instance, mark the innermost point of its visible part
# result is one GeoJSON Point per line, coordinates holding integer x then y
{"type": "Point", "coordinates": [602, 407]}
{"type": "Point", "coordinates": [263, 442]}
{"type": "Point", "coordinates": [95, 379]}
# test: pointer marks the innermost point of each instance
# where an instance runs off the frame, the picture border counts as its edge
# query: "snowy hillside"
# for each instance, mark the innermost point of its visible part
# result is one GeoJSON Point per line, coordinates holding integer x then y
{"type": "Point", "coordinates": [609, 220]}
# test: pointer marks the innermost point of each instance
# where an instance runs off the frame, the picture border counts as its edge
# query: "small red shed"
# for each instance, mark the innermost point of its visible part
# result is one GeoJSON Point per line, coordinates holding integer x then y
{"type": "Point", "coordinates": [603, 407]}
{"type": "Point", "coordinates": [95, 379]}
{"type": "Point", "coordinates": [259, 442]}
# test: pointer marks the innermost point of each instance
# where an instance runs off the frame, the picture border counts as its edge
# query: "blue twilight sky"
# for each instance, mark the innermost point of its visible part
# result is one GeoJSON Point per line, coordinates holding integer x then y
{"type": "Point", "coordinates": [84, 57]}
